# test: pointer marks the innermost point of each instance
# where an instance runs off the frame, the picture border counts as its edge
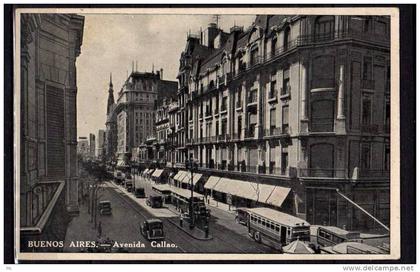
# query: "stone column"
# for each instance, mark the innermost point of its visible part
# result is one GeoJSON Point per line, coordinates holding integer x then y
{"type": "Point", "coordinates": [341, 119]}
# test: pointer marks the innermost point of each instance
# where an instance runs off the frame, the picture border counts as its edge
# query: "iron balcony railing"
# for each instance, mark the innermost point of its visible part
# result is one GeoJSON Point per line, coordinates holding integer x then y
{"type": "Point", "coordinates": [274, 131]}
{"type": "Point", "coordinates": [322, 125]}
{"type": "Point", "coordinates": [250, 133]}
{"type": "Point", "coordinates": [323, 172]}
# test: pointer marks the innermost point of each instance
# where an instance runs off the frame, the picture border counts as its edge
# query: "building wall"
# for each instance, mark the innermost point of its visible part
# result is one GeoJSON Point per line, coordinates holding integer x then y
{"type": "Point", "coordinates": [312, 105]}
{"type": "Point", "coordinates": [50, 45]}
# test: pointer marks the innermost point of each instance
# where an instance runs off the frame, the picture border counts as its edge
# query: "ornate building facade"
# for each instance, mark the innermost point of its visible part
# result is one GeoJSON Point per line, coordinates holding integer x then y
{"type": "Point", "coordinates": [300, 102]}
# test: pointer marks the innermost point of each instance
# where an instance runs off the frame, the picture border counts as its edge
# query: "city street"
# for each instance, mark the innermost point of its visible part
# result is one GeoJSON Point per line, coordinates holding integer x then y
{"type": "Point", "coordinates": [128, 213]}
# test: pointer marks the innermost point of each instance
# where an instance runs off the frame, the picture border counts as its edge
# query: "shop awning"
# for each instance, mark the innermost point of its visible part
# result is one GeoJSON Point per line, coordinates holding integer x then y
{"type": "Point", "coordinates": [145, 171]}
{"type": "Point", "coordinates": [278, 196]}
{"type": "Point", "coordinates": [181, 176]}
{"type": "Point", "coordinates": [150, 171]}
{"type": "Point", "coordinates": [187, 178]}
{"type": "Point", "coordinates": [264, 193]}
{"type": "Point", "coordinates": [211, 182]}
{"type": "Point", "coordinates": [122, 163]}
{"type": "Point", "coordinates": [184, 192]}
{"type": "Point", "coordinates": [157, 173]}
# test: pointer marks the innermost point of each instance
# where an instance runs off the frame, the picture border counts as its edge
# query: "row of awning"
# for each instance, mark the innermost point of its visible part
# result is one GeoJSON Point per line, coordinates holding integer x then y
{"type": "Point", "coordinates": [185, 177]}
{"type": "Point", "coordinates": [264, 193]}
{"type": "Point", "coordinates": [180, 192]}
{"type": "Point", "coordinates": [157, 173]}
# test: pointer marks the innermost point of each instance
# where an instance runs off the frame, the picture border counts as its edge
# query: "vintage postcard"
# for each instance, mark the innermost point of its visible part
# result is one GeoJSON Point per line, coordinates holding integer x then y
{"type": "Point", "coordinates": [207, 134]}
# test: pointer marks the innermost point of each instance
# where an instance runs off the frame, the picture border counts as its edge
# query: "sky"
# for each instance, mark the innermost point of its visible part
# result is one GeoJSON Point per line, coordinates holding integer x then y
{"type": "Point", "coordinates": [112, 42]}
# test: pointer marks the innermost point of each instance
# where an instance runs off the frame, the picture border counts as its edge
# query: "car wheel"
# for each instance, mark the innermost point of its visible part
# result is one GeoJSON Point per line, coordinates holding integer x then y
{"type": "Point", "coordinates": [257, 237]}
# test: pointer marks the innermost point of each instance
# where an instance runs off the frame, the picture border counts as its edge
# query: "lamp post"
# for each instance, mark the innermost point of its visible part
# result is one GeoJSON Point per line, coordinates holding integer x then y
{"type": "Point", "coordinates": [191, 165]}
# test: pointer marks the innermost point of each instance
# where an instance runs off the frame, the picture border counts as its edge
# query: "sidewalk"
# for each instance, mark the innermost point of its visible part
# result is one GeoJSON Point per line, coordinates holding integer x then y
{"type": "Point", "coordinates": [221, 206]}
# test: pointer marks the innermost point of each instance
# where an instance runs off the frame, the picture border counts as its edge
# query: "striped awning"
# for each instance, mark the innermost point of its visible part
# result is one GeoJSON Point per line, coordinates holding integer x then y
{"type": "Point", "coordinates": [211, 182]}
{"type": "Point", "coordinates": [187, 178]}
{"type": "Point", "coordinates": [263, 193]}
{"type": "Point", "coordinates": [157, 173]}
{"type": "Point", "coordinates": [122, 163]}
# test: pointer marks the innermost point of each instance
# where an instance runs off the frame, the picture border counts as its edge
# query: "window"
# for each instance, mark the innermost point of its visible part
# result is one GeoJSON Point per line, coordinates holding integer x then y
{"type": "Point", "coordinates": [365, 156]}
{"type": "Point", "coordinates": [367, 68]}
{"type": "Point", "coordinates": [272, 119]}
{"type": "Point", "coordinates": [273, 86]}
{"type": "Point", "coordinates": [273, 46]}
{"type": "Point", "coordinates": [239, 126]}
{"type": "Point", "coordinates": [324, 28]}
{"type": "Point", "coordinates": [287, 38]}
{"type": "Point", "coordinates": [224, 103]}
{"type": "Point", "coordinates": [286, 82]}
{"type": "Point", "coordinates": [387, 158]}
{"type": "Point", "coordinates": [387, 116]}
{"type": "Point", "coordinates": [366, 25]}
{"type": "Point", "coordinates": [366, 110]}
{"type": "Point", "coordinates": [322, 116]}
{"type": "Point", "coordinates": [224, 126]}
{"type": "Point", "coordinates": [284, 161]}
{"type": "Point", "coordinates": [217, 128]}
{"type": "Point", "coordinates": [254, 56]}
{"type": "Point", "coordinates": [285, 119]}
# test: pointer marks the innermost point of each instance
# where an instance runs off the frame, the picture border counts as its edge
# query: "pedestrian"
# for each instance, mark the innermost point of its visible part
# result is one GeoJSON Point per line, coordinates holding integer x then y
{"type": "Point", "coordinates": [206, 230]}
{"type": "Point", "coordinates": [100, 229]}
{"type": "Point", "coordinates": [181, 220]}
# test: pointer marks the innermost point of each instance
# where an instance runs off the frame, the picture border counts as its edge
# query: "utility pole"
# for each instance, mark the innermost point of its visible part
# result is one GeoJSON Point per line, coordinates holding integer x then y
{"type": "Point", "coordinates": [191, 165]}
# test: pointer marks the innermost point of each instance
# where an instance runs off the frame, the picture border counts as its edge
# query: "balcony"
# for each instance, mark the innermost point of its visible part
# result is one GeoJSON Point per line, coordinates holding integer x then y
{"type": "Point", "coordinates": [223, 109]}
{"type": "Point", "coordinates": [223, 138]}
{"type": "Point", "coordinates": [250, 133]}
{"type": "Point", "coordinates": [285, 91]}
{"type": "Point", "coordinates": [322, 124]}
{"type": "Point", "coordinates": [369, 128]}
{"type": "Point", "coordinates": [367, 84]}
{"type": "Point", "coordinates": [252, 99]}
{"type": "Point", "coordinates": [208, 114]}
{"type": "Point", "coordinates": [322, 173]}
{"type": "Point", "coordinates": [274, 131]}
{"type": "Point", "coordinates": [374, 173]}
{"type": "Point", "coordinates": [200, 115]}
{"type": "Point", "coordinates": [221, 81]}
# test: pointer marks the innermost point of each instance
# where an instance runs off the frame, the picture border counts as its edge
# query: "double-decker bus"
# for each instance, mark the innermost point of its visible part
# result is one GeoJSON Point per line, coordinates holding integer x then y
{"type": "Point", "coordinates": [276, 229]}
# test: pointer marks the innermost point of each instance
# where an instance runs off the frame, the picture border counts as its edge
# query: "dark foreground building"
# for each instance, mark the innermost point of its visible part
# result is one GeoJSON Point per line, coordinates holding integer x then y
{"type": "Point", "coordinates": [49, 45]}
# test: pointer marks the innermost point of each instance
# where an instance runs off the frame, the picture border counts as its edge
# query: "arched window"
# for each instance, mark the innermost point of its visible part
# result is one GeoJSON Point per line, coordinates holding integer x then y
{"type": "Point", "coordinates": [324, 28]}
{"type": "Point", "coordinates": [287, 38]}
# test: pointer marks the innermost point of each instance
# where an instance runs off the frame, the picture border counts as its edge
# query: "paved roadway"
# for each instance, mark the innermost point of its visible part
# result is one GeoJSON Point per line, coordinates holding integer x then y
{"type": "Point", "coordinates": [129, 212]}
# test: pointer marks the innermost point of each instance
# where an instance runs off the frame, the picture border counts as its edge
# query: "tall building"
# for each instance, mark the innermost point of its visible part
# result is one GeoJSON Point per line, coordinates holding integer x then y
{"type": "Point", "coordinates": [83, 149]}
{"type": "Point", "coordinates": [101, 143]}
{"type": "Point", "coordinates": [49, 46]}
{"type": "Point", "coordinates": [92, 145]}
{"type": "Point", "coordinates": [110, 145]}
{"type": "Point", "coordinates": [135, 110]}
{"type": "Point", "coordinates": [296, 102]}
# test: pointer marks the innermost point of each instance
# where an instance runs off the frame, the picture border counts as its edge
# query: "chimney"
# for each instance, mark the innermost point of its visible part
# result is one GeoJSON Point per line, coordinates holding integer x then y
{"type": "Point", "coordinates": [161, 73]}
{"type": "Point", "coordinates": [212, 31]}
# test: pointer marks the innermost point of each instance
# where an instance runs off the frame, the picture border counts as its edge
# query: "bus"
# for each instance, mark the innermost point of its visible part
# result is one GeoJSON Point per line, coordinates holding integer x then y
{"type": "Point", "coordinates": [276, 229]}
{"type": "Point", "coordinates": [330, 235]}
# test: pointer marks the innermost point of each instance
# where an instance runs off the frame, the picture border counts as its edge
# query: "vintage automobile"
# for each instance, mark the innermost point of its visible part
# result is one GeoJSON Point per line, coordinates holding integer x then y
{"type": "Point", "coordinates": [242, 216]}
{"type": "Point", "coordinates": [119, 177]}
{"type": "Point", "coordinates": [154, 201]}
{"type": "Point", "coordinates": [104, 207]}
{"type": "Point", "coordinates": [152, 229]}
{"type": "Point", "coordinates": [139, 192]}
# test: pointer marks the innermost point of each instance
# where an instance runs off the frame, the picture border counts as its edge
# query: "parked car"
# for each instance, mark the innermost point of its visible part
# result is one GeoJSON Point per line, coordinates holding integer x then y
{"type": "Point", "coordinates": [152, 229]}
{"type": "Point", "coordinates": [119, 177]}
{"type": "Point", "coordinates": [154, 201]}
{"type": "Point", "coordinates": [139, 192]}
{"type": "Point", "coordinates": [242, 216]}
{"type": "Point", "coordinates": [105, 208]}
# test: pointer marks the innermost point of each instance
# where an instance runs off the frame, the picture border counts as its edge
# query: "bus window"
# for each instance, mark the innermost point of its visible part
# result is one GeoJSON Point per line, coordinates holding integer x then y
{"type": "Point", "coordinates": [277, 228]}
{"type": "Point", "coordinates": [263, 222]}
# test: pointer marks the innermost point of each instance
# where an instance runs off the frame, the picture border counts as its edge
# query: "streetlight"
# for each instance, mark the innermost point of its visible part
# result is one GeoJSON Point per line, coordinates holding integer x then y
{"type": "Point", "coordinates": [191, 165]}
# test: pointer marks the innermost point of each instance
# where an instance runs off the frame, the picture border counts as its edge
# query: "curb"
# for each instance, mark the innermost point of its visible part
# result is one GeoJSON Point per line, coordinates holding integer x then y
{"type": "Point", "coordinates": [193, 236]}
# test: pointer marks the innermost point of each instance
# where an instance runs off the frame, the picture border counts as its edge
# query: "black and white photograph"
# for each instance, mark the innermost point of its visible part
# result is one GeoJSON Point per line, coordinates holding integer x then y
{"type": "Point", "coordinates": [207, 134]}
